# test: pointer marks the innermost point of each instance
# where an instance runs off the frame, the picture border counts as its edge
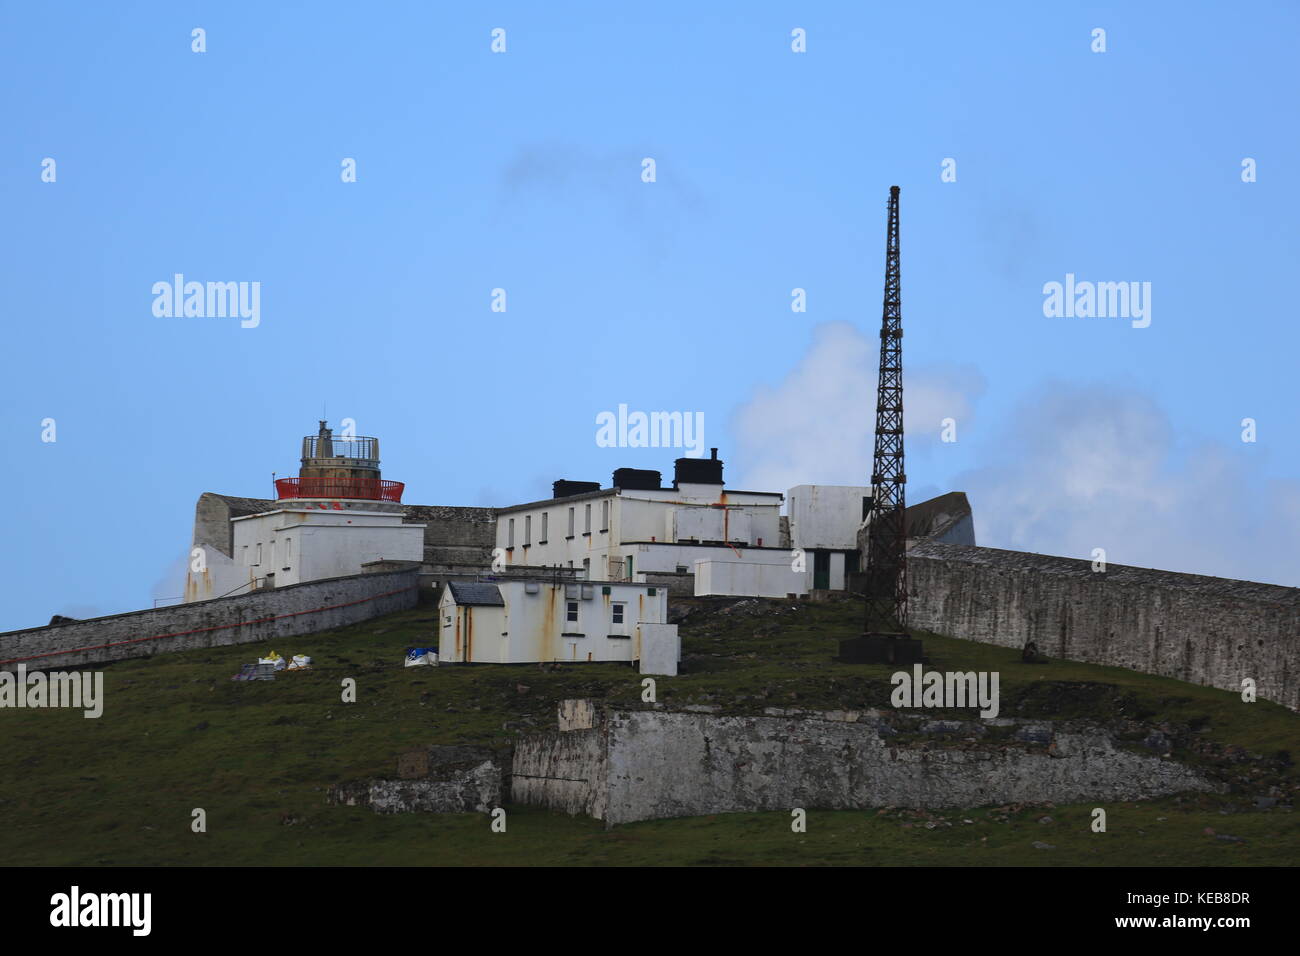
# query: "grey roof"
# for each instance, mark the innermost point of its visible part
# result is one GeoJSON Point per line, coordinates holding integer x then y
{"type": "Point", "coordinates": [475, 593]}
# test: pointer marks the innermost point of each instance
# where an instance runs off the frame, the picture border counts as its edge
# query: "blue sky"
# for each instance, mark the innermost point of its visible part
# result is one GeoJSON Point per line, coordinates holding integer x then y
{"type": "Point", "coordinates": [522, 171]}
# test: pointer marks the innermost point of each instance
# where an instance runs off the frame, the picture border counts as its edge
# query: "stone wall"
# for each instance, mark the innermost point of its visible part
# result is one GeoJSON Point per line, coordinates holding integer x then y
{"type": "Point", "coordinates": [651, 764]}
{"type": "Point", "coordinates": [1204, 630]}
{"type": "Point", "coordinates": [437, 779]}
{"type": "Point", "coordinates": [260, 616]}
{"type": "Point", "coordinates": [454, 536]}
{"type": "Point", "coordinates": [677, 585]}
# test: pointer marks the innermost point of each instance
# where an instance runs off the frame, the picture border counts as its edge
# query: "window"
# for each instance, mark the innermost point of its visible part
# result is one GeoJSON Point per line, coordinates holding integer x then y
{"type": "Point", "coordinates": [570, 522]}
{"type": "Point", "coordinates": [259, 553]}
{"type": "Point", "coordinates": [586, 567]}
{"type": "Point", "coordinates": [546, 520]}
{"type": "Point", "coordinates": [288, 549]}
{"type": "Point", "coordinates": [604, 515]}
{"type": "Point", "coordinates": [572, 615]}
{"type": "Point", "coordinates": [510, 538]}
{"type": "Point", "coordinates": [618, 613]}
{"type": "Point", "coordinates": [528, 530]}
{"type": "Point", "coordinates": [586, 519]}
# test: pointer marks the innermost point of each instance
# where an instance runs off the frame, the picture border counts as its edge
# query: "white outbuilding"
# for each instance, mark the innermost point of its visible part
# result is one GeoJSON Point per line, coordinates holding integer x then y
{"type": "Point", "coordinates": [526, 620]}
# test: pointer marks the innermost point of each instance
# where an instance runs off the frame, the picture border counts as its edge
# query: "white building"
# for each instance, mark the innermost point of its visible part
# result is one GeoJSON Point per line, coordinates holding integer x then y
{"type": "Point", "coordinates": [731, 541]}
{"type": "Point", "coordinates": [637, 527]}
{"type": "Point", "coordinates": [303, 542]}
{"type": "Point", "coordinates": [824, 523]}
{"type": "Point", "coordinates": [524, 621]}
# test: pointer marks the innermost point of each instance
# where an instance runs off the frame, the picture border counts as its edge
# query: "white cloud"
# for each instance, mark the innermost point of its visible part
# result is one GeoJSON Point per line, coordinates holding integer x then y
{"type": "Point", "coordinates": [818, 425]}
{"type": "Point", "coordinates": [1083, 467]}
{"type": "Point", "coordinates": [1076, 467]}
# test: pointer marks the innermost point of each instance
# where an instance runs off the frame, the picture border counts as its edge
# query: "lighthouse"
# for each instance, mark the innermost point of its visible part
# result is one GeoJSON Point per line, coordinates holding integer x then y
{"type": "Point", "coordinates": [339, 468]}
{"type": "Point", "coordinates": [339, 517]}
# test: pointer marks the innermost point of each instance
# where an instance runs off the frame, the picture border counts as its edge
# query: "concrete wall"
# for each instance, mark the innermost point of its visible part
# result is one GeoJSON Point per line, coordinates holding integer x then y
{"type": "Point", "coordinates": [750, 579]}
{"type": "Point", "coordinates": [652, 764]}
{"type": "Point", "coordinates": [260, 616]}
{"type": "Point", "coordinates": [825, 517]}
{"type": "Point", "coordinates": [1212, 631]}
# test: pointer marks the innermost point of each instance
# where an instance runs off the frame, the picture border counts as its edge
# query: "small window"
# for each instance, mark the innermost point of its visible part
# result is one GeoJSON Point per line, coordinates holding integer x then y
{"type": "Point", "coordinates": [546, 520]}
{"type": "Point", "coordinates": [259, 553]}
{"type": "Point", "coordinates": [510, 533]}
{"type": "Point", "coordinates": [604, 515]}
{"type": "Point", "coordinates": [618, 613]}
{"type": "Point", "coordinates": [528, 530]}
{"type": "Point", "coordinates": [586, 519]}
{"type": "Point", "coordinates": [570, 522]}
{"type": "Point", "coordinates": [572, 615]}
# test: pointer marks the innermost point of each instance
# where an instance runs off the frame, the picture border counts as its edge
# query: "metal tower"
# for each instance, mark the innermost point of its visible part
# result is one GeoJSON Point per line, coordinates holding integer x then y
{"type": "Point", "coordinates": [886, 637]}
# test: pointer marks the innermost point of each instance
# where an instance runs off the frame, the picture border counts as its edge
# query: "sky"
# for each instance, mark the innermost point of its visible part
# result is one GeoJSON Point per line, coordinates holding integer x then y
{"type": "Point", "coordinates": [1024, 154]}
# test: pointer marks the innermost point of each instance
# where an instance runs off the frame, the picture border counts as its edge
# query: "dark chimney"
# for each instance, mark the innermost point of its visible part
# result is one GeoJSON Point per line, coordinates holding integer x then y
{"type": "Point", "coordinates": [564, 487]}
{"type": "Point", "coordinates": [637, 479]}
{"type": "Point", "coordinates": [698, 471]}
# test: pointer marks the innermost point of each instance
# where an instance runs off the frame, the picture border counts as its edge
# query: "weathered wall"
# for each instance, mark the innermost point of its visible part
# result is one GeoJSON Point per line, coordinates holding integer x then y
{"type": "Point", "coordinates": [438, 779]}
{"type": "Point", "coordinates": [677, 585]}
{"type": "Point", "coordinates": [1204, 630]}
{"type": "Point", "coordinates": [562, 771]}
{"type": "Point", "coordinates": [652, 764]}
{"type": "Point", "coordinates": [241, 619]}
{"type": "Point", "coordinates": [454, 536]}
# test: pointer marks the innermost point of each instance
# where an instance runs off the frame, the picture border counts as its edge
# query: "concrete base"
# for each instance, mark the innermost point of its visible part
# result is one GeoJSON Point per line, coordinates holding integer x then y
{"type": "Point", "coordinates": [881, 649]}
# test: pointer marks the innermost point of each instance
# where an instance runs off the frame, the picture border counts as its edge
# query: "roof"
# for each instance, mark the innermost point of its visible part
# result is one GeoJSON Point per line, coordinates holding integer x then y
{"type": "Point", "coordinates": [582, 496]}
{"type": "Point", "coordinates": [475, 594]}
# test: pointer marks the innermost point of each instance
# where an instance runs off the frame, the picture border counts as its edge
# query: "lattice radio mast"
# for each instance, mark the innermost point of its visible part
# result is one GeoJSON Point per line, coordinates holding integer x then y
{"type": "Point", "coordinates": [886, 637]}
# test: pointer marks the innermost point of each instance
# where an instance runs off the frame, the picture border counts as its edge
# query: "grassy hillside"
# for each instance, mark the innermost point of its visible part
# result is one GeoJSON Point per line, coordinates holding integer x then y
{"type": "Point", "coordinates": [177, 734]}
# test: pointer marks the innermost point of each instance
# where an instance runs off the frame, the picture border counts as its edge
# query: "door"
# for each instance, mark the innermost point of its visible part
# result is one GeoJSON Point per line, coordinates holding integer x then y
{"type": "Point", "coordinates": [821, 570]}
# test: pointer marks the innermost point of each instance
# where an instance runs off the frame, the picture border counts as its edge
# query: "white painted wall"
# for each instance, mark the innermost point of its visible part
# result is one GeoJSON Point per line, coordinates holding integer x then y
{"type": "Point", "coordinates": [304, 544]}
{"type": "Point", "coordinates": [635, 518]}
{"type": "Point", "coordinates": [825, 516]}
{"type": "Point", "coordinates": [535, 627]}
{"type": "Point", "coordinates": [749, 579]}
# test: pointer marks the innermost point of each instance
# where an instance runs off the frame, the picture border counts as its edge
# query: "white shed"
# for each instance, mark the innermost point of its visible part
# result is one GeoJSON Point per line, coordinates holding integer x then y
{"type": "Point", "coordinates": [521, 621]}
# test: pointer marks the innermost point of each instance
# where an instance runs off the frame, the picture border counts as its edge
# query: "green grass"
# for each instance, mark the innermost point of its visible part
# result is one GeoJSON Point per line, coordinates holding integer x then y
{"type": "Point", "coordinates": [119, 790]}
